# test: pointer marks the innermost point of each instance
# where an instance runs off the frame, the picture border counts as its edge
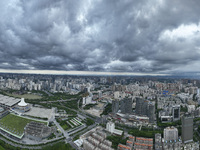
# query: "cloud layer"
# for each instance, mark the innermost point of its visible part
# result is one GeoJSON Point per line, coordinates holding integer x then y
{"type": "Point", "coordinates": [158, 36]}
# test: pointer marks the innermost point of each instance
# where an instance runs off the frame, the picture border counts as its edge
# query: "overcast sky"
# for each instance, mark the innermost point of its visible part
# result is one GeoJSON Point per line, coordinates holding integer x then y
{"type": "Point", "coordinates": [157, 36]}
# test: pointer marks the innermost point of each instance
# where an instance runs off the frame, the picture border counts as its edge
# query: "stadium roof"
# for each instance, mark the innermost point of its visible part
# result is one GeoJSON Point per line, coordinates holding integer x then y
{"type": "Point", "coordinates": [22, 103]}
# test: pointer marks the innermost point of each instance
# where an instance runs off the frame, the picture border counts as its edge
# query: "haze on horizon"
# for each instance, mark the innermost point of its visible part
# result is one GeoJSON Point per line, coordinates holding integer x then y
{"type": "Point", "coordinates": [124, 36]}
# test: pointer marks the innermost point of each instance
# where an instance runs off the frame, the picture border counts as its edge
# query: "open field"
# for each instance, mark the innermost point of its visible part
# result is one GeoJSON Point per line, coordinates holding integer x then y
{"type": "Point", "coordinates": [26, 96]}
{"type": "Point", "coordinates": [1, 148]}
{"type": "Point", "coordinates": [14, 124]}
{"type": "Point", "coordinates": [40, 112]}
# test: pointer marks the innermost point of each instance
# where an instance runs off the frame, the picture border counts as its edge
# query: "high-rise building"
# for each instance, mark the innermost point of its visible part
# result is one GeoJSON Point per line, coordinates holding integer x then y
{"type": "Point", "coordinates": [139, 106]}
{"type": "Point", "coordinates": [110, 126]}
{"type": "Point", "coordinates": [176, 112]}
{"type": "Point", "coordinates": [115, 106]}
{"type": "Point", "coordinates": [151, 112]}
{"type": "Point", "coordinates": [126, 105]}
{"type": "Point", "coordinates": [187, 129]}
{"type": "Point", "coordinates": [100, 94]}
{"type": "Point", "coordinates": [122, 106]}
{"type": "Point", "coordinates": [145, 107]}
{"type": "Point", "coordinates": [116, 94]}
{"type": "Point", "coordinates": [171, 134]}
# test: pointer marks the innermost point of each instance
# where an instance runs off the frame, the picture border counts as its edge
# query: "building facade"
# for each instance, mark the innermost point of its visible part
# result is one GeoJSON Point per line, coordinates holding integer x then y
{"type": "Point", "coordinates": [176, 112]}
{"type": "Point", "coordinates": [110, 127]}
{"type": "Point", "coordinates": [187, 129]}
{"type": "Point", "coordinates": [171, 134]}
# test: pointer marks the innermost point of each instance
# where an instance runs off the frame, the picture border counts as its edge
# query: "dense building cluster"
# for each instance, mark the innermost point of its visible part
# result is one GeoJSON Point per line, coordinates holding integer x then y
{"type": "Point", "coordinates": [134, 104]}
{"type": "Point", "coordinates": [137, 143]}
{"type": "Point", "coordinates": [96, 140]}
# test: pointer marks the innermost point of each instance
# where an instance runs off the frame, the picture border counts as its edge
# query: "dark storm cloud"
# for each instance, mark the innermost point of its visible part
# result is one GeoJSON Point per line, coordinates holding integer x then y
{"type": "Point", "coordinates": [123, 35]}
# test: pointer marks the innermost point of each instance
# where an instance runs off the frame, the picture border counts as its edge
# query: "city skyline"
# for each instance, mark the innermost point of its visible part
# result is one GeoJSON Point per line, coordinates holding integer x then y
{"type": "Point", "coordinates": [114, 37]}
{"type": "Point", "coordinates": [99, 112]}
{"type": "Point", "coordinates": [61, 72]}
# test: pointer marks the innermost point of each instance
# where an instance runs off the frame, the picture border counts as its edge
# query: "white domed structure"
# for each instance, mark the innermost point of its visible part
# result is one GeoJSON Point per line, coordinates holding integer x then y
{"type": "Point", "coordinates": [22, 106]}
{"type": "Point", "coordinates": [22, 103]}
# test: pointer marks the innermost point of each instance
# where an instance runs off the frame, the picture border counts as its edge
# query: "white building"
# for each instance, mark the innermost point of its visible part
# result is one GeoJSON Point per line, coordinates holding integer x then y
{"type": "Point", "coordinates": [100, 94]}
{"type": "Point", "coordinates": [87, 100]}
{"type": "Point", "coordinates": [191, 108]}
{"type": "Point", "coordinates": [170, 134]}
{"type": "Point", "coordinates": [116, 94]}
{"type": "Point", "coordinates": [110, 126]}
{"type": "Point", "coordinates": [22, 103]}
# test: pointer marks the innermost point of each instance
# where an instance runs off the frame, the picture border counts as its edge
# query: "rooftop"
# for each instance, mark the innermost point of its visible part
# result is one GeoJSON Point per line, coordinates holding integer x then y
{"type": "Point", "coordinates": [22, 103]}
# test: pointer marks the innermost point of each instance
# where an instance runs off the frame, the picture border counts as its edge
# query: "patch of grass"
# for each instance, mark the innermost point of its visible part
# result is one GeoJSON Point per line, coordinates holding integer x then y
{"type": "Point", "coordinates": [144, 133]}
{"type": "Point", "coordinates": [116, 140]}
{"type": "Point", "coordinates": [65, 126]}
{"type": "Point", "coordinates": [89, 122]}
{"type": "Point", "coordinates": [196, 119]}
{"type": "Point", "coordinates": [59, 146]}
{"type": "Point", "coordinates": [14, 124]}
{"type": "Point", "coordinates": [76, 137]}
{"type": "Point", "coordinates": [88, 106]}
{"type": "Point", "coordinates": [72, 104]}
{"type": "Point", "coordinates": [26, 96]}
{"type": "Point", "coordinates": [176, 123]}
{"type": "Point", "coordinates": [1, 148]}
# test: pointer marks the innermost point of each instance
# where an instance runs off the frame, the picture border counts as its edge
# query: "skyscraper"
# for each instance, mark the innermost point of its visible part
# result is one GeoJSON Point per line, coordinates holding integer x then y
{"type": "Point", "coordinates": [145, 107]}
{"type": "Point", "coordinates": [151, 112]}
{"type": "Point", "coordinates": [139, 106]}
{"type": "Point", "coordinates": [115, 106]}
{"type": "Point", "coordinates": [176, 112]}
{"type": "Point", "coordinates": [126, 105]}
{"type": "Point", "coordinates": [187, 129]}
{"type": "Point", "coordinates": [122, 106]}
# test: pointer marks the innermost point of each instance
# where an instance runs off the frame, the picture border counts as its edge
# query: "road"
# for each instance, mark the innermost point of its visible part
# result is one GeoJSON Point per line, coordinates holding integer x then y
{"type": "Point", "coordinates": [68, 138]}
{"type": "Point", "coordinates": [72, 99]}
{"type": "Point", "coordinates": [79, 133]}
{"type": "Point", "coordinates": [49, 94]}
{"type": "Point", "coordinates": [81, 112]}
{"type": "Point", "coordinates": [77, 130]}
{"type": "Point", "coordinates": [87, 129]}
{"type": "Point", "coordinates": [66, 135]}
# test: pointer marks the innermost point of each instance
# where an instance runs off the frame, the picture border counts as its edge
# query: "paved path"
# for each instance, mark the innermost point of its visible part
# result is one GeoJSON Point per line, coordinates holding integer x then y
{"type": "Point", "coordinates": [72, 99]}
{"type": "Point", "coordinates": [78, 129]}
{"type": "Point", "coordinates": [85, 130]}
{"type": "Point", "coordinates": [61, 129]}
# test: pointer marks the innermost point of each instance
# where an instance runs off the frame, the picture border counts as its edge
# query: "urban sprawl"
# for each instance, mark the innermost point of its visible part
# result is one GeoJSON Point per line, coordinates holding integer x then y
{"type": "Point", "coordinates": [99, 112]}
